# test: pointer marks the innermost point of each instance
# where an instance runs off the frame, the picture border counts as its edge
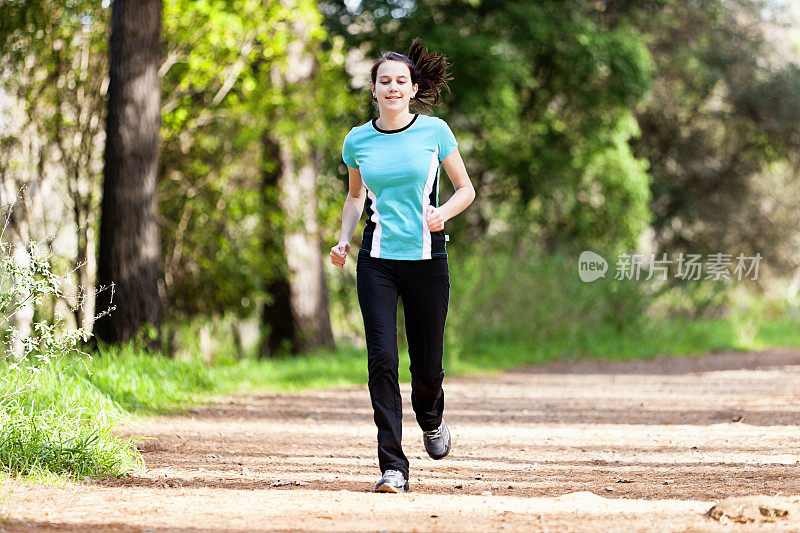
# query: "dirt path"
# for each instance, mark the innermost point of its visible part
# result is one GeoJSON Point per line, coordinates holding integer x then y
{"type": "Point", "coordinates": [599, 446]}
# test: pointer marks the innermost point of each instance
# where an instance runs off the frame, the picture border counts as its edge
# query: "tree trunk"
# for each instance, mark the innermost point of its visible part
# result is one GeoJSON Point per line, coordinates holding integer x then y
{"type": "Point", "coordinates": [298, 199]}
{"type": "Point", "coordinates": [277, 316]}
{"type": "Point", "coordinates": [129, 240]}
{"type": "Point", "coordinates": [309, 288]}
{"type": "Point", "coordinates": [297, 317]}
{"type": "Point", "coordinates": [278, 321]}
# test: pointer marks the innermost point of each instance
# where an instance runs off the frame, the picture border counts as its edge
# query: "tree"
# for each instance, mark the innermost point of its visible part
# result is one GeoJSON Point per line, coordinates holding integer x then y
{"type": "Point", "coordinates": [129, 241]}
{"type": "Point", "coordinates": [298, 185]}
{"type": "Point", "coordinates": [239, 127]}
{"type": "Point", "coordinates": [719, 129]}
{"type": "Point", "coordinates": [541, 103]}
{"type": "Point", "coordinates": [54, 64]}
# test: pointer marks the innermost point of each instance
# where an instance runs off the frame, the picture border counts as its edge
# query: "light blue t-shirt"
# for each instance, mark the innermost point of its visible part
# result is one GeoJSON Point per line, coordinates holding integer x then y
{"type": "Point", "coordinates": [400, 170]}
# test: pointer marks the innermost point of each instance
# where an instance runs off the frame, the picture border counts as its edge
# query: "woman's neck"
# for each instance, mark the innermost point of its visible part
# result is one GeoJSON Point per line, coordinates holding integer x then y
{"type": "Point", "coordinates": [393, 121]}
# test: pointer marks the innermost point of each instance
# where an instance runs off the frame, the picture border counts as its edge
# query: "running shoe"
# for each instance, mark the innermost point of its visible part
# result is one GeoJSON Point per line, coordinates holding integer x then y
{"type": "Point", "coordinates": [437, 441]}
{"type": "Point", "coordinates": [392, 481]}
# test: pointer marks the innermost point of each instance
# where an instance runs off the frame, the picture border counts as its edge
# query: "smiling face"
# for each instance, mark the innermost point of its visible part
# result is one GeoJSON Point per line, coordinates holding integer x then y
{"type": "Point", "coordinates": [392, 87]}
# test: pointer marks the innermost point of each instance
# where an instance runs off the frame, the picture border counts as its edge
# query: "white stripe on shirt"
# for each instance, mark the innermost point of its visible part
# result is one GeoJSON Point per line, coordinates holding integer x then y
{"type": "Point", "coordinates": [426, 192]}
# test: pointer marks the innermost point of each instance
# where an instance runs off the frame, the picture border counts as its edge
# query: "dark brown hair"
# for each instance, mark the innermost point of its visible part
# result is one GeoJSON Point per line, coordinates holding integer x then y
{"type": "Point", "coordinates": [428, 70]}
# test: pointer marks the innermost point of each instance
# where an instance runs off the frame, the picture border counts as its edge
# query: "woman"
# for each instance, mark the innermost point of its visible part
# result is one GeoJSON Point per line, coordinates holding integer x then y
{"type": "Point", "coordinates": [393, 164]}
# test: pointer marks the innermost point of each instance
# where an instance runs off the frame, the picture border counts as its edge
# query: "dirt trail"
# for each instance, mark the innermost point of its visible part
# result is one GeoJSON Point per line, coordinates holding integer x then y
{"type": "Point", "coordinates": [622, 446]}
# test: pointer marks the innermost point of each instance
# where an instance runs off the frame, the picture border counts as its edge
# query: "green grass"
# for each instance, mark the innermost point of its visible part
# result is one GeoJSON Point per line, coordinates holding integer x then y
{"type": "Point", "coordinates": [137, 381]}
{"type": "Point", "coordinates": [779, 332]}
{"type": "Point", "coordinates": [146, 383]}
{"type": "Point", "coordinates": [62, 426]}
{"type": "Point", "coordinates": [677, 338]}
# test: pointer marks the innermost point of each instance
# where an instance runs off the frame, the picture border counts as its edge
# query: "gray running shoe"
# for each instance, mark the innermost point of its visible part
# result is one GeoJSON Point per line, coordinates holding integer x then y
{"type": "Point", "coordinates": [392, 481]}
{"type": "Point", "coordinates": [437, 441]}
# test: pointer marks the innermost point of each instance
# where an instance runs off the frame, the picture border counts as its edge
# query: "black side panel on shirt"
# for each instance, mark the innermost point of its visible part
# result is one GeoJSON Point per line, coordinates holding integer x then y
{"type": "Point", "coordinates": [369, 229]}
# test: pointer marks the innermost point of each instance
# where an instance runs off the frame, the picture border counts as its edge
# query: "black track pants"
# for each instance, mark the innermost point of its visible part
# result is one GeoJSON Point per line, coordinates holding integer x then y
{"type": "Point", "coordinates": [424, 286]}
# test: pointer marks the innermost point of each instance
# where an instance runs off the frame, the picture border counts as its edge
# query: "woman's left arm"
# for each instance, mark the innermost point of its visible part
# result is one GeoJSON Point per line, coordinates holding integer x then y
{"type": "Point", "coordinates": [464, 195]}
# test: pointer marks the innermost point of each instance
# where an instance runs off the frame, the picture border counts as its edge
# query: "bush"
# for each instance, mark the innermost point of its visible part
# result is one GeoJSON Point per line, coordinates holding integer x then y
{"type": "Point", "coordinates": [530, 298]}
{"type": "Point", "coordinates": [52, 419]}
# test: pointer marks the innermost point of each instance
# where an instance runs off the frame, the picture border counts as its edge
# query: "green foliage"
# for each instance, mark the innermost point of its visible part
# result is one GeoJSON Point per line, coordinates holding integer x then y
{"type": "Point", "coordinates": [60, 424]}
{"type": "Point", "coordinates": [535, 299]}
{"type": "Point", "coordinates": [230, 107]}
{"type": "Point", "coordinates": [55, 62]}
{"type": "Point", "coordinates": [51, 418]}
{"type": "Point", "coordinates": [23, 285]}
{"type": "Point", "coordinates": [722, 113]}
{"type": "Point", "coordinates": [211, 201]}
{"type": "Point", "coordinates": [540, 103]}
{"type": "Point", "coordinates": [676, 337]}
{"type": "Point", "coordinates": [523, 308]}
{"type": "Point", "coordinates": [580, 124]}
{"type": "Point", "coordinates": [142, 381]}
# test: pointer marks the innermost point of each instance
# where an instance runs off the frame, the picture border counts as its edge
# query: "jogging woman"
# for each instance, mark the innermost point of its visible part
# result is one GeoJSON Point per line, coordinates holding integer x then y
{"type": "Point", "coordinates": [393, 165]}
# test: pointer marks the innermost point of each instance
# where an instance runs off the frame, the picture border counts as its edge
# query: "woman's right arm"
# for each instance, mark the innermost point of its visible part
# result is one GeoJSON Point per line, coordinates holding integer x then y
{"type": "Point", "coordinates": [351, 214]}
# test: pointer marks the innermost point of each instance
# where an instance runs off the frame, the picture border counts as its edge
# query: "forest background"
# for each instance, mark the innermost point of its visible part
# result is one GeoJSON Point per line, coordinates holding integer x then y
{"type": "Point", "coordinates": [656, 134]}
